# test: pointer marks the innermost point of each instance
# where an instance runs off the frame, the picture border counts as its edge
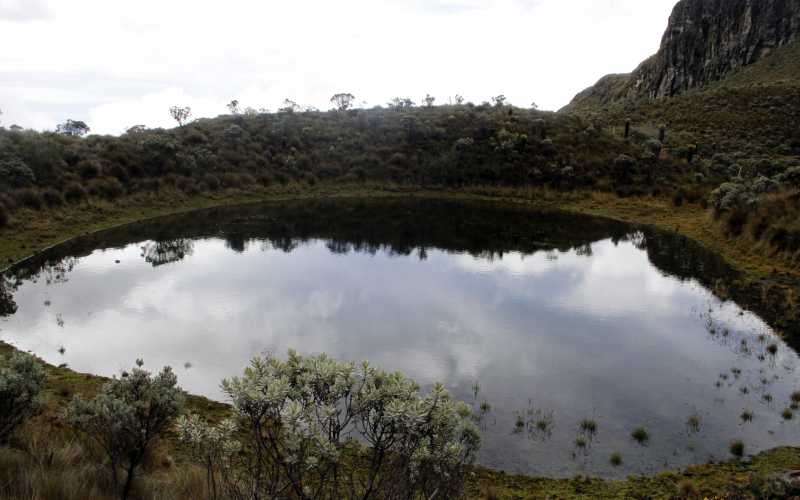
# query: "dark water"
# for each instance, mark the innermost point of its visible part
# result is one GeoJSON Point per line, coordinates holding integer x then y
{"type": "Point", "coordinates": [548, 318]}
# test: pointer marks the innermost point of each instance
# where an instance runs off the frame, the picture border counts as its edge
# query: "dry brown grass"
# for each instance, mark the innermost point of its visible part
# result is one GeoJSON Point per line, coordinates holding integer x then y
{"type": "Point", "coordinates": [46, 465]}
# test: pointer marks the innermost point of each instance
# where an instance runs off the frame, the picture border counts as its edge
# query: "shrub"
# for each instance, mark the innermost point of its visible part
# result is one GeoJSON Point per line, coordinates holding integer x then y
{"type": "Point", "coordinates": [30, 198]}
{"type": "Point", "coordinates": [110, 188]}
{"type": "Point", "coordinates": [299, 416]}
{"type": "Point", "coordinates": [212, 182]}
{"type": "Point", "coordinates": [151, 184]}
{"type": "Point", "coordinates": [52, 198]}
{"type": "Point", "coordinates": [790, 177]}
{"type": "Point", "coordinates": [127, 416]}
{"type": "Point", "coordinates": [120, 173]}
{"type": "Point", "coordinates": [7, 202]}
{"type": "Point", "coordinates": [730, 196]}
{"type": "Point", "coordinates": [678, 197]}
{"type": "Point", "coordinates": [15, 173]}
{"type": "Point", "coordinates": [186, 184]}
{"type": "Point", "coordinates": [21, 383]}
{"type": "Point", "coordinates": [88, 169]}
{"type": "Point", "coordinates": [248, 180]}
{"type": "Point", "coordinates": [231, 180]}
{"type": "Point", "coordinates": [74, 192]}
{"type": "Point", "coordinates": [737, 448]}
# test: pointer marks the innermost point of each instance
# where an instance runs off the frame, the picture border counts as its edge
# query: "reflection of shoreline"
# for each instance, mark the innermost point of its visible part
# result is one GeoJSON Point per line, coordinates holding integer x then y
{"type": "Point", "coordinates": [397, 227]}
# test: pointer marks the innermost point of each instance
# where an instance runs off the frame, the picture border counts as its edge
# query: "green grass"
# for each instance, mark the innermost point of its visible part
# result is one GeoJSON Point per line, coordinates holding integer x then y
{"type": "Point", "coordinates": [709, 481]}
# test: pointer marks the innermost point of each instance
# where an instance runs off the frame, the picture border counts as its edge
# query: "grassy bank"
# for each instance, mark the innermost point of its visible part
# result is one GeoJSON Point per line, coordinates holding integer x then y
{"type": "Point", "coordinates": [702, 481]}
{"type": "Point", "coordinates": [32, 231]}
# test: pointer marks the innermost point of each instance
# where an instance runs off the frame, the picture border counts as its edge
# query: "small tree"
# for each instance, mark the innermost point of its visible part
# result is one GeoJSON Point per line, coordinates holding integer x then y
{"type": "Point", "coordinates": [459, 100]}
{"type": "Point", "coordinates": [399, 103]}
{"type": "Point", "coordinates": [180, 114]}
{"type": "Point", "coordinates": [15, 173]}
{"type": "Point", "coordinates": [127, 416]}
{"type": "Point", "coordinates": [534, 106]}
{"type": "Point", "coordinates": [136, 129]}
{"type": "Point", "coordinates": [343, 102]}
{"type": "Point", "coordinates": [73, 128]}
{"type": "Point", "coordinates": [21, 383]}
{"type": "Point", "coordinates": [233, 107]}
{"type": "Point", "coordinates": [289, 106]}
{"type": "Point", "coordinates": [429, 100]}
{"type": "Point", "coordinates": [499, 100]}
{"type": "Point", "coordinates": [298, 420]}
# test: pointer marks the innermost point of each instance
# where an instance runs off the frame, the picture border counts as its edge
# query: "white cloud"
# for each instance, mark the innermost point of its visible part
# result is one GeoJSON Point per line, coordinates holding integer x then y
{"type": "Point", "coordinates": [22, 10]}
{"type": "Point", "coordinates": [262, 52]}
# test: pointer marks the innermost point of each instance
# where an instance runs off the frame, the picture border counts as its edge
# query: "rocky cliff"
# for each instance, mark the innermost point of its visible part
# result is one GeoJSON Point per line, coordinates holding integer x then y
{"type": "Point", "coordinates": [705, 40]}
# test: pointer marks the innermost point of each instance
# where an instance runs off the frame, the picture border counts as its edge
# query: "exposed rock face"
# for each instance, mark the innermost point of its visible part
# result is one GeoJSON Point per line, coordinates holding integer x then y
{"type": "Point", "coordinates": [704, 41]}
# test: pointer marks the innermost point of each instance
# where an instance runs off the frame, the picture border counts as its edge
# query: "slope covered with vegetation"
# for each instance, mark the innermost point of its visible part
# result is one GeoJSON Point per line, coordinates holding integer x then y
{"type": "Point", "coordinates": [741, 131]}
{"type": "Point", "coordinates": [448, 145]}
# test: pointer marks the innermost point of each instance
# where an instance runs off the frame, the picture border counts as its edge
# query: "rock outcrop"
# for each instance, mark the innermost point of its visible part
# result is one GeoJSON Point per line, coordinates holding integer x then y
{"type": "Point", "coordinates": [705, 40]}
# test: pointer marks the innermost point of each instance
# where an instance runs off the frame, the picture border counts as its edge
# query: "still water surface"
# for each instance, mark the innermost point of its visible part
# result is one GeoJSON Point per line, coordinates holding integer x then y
{"type": "Point", "coordinates": [550, 319]}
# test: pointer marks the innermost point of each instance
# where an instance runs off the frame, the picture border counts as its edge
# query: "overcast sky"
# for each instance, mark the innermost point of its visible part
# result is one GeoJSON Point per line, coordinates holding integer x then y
{"type": "Point", "coordinates": [117, 63]}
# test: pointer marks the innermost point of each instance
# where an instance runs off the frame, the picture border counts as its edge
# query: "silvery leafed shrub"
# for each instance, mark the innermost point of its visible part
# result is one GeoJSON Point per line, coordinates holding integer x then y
{"type": "Point", "coordinates": [319, 428]}
{"type": "Point", "coordinates": [127, 416]}
{"type": "Point", "coordinates": [21, 382]}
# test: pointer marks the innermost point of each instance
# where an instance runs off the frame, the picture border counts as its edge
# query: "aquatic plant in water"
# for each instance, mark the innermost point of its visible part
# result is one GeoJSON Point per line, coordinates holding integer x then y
{"type": "Point", "coordinates": [693, 423]}
{"type": "Point", "coordinates": [737, 448]}
{"type": "Point", "coordinates": [588, 426]}
{"type": "Point", "coordinates": [640, 435]}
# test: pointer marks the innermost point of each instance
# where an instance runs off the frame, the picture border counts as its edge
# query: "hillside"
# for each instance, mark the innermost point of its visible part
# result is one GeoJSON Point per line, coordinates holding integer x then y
{"type": "Point", "coordinates": [447, 146]}
{"type": "Point", "coordinates": [749, 113]}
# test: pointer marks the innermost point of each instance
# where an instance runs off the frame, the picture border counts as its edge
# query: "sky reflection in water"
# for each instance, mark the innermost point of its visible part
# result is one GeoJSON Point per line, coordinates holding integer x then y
{"type": "Point", "coordinates": [594, 332]}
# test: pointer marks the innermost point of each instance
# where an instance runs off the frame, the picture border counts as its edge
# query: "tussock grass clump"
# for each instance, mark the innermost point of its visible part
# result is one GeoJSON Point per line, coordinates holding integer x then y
{"type": "Point", "coordinates": [616, 459]}
{"type": "Point", "coordinates": [687, 489]}
{"type": "Point", "coordinates": [45, 464]}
